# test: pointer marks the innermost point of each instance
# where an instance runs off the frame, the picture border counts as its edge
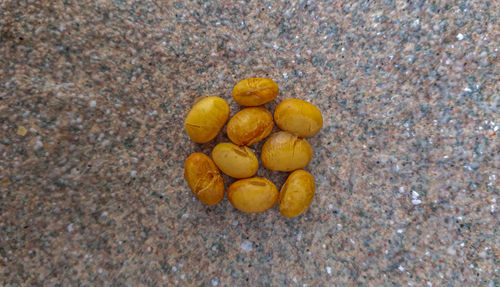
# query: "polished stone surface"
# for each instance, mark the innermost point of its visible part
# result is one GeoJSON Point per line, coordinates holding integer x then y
{"type": "Point", "coordinates": [93, 98]}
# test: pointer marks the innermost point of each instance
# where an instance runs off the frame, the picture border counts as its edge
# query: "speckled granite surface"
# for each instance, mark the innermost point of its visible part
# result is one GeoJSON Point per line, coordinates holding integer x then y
{"type": "Point", "coordinates": [93, 97]}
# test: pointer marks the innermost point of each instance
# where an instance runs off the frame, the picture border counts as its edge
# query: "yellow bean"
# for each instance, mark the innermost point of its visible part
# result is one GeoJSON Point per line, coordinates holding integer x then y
{"type": "Point", "coordinates": [256, 194]}
{"type": "Point", "coordinates": [250, 126]}
{"type": "Point", "coordinates": [206, 119]}
{"type": "Point", "coordinates": [204, 178]}
{"type": "Point", "coordinates": [298, 117]}
{"type": "Point", "coordinates": [255, 91]}
{"type": "Point", "coordinates": [235, 161]}
{"type": "Point", "coordinates": [285, 152]}
{"type": "Point", "coordinates": [297, 193]}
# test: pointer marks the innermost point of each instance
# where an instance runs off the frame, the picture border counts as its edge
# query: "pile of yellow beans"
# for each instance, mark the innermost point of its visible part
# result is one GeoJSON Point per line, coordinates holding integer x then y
{"type": "Point", "coordinates": [286, 150]}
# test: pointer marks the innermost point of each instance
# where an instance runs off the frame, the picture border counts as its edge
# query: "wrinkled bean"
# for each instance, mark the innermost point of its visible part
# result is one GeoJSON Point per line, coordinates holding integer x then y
{"type": "Point", "coordinates": [255, 91]}
{"type": "Point", "coordinates": [250, 126]}
{"type": "Point", "coordinates": [285, 152]}
{"type": "Point", "coordinates": [204, 178]}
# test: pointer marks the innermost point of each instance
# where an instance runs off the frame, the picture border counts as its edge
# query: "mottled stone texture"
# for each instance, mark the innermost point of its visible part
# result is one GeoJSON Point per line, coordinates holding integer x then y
{"type": "Point", "coordinates": [93, 97]}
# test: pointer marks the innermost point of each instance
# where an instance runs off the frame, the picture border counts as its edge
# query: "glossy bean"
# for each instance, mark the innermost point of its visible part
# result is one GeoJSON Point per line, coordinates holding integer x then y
{"type": "Point", "coordinates": [206, 119]}
{"type": "Point", "coordinates": [298, 117]}
{"type": "Point", "coordinates": [235, 161]}
{"type": "Point", "coordinates": [297, 193]}
{"type": "Point", "coordinates": [253, 195]}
